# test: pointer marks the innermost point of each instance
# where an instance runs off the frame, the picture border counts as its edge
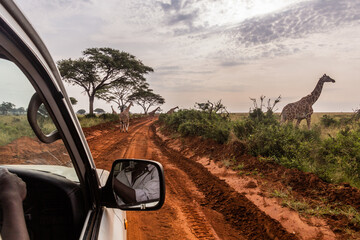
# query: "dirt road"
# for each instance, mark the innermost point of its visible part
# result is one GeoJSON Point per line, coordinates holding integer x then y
{"type": "Point", "coordinates": [198, 205]}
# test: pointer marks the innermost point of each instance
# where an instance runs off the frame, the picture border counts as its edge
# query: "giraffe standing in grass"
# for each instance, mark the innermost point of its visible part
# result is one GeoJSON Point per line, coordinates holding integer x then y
{"type": "Point", "coordinates": [152, 113]}
{"type": "Point", "coordinates": [172, 110]}
{"type": "Point", "coordinates": [302, 109]}
{"type": "Point", "coordinates": [124, 118]}
{"type": "Point", "coordinates": [113, 111]}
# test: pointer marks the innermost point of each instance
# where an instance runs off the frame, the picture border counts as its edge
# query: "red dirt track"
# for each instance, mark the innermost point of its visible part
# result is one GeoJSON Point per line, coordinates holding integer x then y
{"type": "Point", "coordinates": [204, 198]}
{"type": "Point", "coordinates": [198, 204]}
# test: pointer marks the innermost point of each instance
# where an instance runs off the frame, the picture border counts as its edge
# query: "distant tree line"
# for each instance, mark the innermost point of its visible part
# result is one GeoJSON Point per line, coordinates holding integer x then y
{"type": "Point", "coordinates": [7, 108]}
{"type": "Point", "coordinates": [112, 75]}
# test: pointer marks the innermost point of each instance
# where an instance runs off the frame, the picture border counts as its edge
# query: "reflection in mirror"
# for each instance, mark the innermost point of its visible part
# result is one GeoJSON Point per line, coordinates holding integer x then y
{"type": "Point", "coordinates": [44, 121]}
{"type": "Point", "coordinates": [136, 184]}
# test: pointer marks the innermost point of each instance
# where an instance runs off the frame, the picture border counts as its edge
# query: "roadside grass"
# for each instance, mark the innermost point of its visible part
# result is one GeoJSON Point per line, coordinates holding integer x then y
{"type": "Point", "coordinates": [89, 121]}
{"type": "Point", "coordinates": [13, 127]}
{"type": "Point", "coordinates": [320, 209]}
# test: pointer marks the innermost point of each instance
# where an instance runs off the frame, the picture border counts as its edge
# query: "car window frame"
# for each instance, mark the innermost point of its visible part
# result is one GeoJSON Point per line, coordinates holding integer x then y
{"type": "Point", "coordinates": [18, 52]}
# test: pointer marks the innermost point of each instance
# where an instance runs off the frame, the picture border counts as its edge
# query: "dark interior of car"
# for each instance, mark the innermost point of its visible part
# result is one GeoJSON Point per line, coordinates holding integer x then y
{"type": "Point", "coordinates": [54, 206]}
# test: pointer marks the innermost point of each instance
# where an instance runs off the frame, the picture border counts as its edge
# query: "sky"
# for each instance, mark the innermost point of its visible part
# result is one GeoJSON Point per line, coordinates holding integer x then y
{"type": "Point", "coordinates": [216, 49]}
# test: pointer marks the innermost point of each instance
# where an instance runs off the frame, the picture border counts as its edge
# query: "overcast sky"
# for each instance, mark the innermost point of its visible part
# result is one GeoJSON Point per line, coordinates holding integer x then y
{"type": "Point", "coordinates": [216, 49]}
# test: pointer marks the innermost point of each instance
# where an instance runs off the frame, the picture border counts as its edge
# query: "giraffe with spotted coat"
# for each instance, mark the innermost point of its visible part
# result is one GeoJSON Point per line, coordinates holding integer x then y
{"type": "Point", "coordinates": [302, 109]}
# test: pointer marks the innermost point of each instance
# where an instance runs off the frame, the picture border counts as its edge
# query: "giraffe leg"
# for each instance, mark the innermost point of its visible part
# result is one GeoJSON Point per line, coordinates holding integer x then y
{"type": "Point", "coordinates": [298, 122]}
{"type": "Point", "coordinates": [308, 121]}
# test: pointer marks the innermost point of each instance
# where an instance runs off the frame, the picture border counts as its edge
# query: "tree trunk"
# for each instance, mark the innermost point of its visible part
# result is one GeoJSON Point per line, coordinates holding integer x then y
{"type": "Point", "coordinates": [91, 104]}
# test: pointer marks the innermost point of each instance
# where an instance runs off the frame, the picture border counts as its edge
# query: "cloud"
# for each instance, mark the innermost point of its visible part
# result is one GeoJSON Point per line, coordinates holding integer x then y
{"type": "Point", "coordinates": [230, 63]}
{"type": "Point", "coordinates": [297, 22]}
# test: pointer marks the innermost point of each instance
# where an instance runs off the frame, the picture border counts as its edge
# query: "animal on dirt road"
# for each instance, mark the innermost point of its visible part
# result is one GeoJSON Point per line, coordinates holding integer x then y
{"type": "Point", "coordinates": [152, 113]}
{"type": "Point", "coordinates": [124, 118]}
{"type": "Point", "coordinates": [172, 110]}
{"type": "Point", "coordinates": [302, 109]}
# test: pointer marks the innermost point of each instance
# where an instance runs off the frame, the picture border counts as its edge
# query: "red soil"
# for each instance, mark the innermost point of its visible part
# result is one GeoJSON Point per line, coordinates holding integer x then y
{"type": "Point", "coordinates": [204, 199]}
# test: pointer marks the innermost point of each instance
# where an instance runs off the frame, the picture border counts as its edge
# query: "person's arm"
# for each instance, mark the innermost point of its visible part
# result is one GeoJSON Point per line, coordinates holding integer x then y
{"type": "Point", "coordinates": [12, 193]}
{"type": "Point", "coordinates": [150, 189]}
{"type": "Point", "coordinates": [127, 194]}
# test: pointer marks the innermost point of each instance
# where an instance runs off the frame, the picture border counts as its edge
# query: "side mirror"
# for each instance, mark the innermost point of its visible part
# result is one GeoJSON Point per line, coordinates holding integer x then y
{"type": "Point", "coordinates": [135, 184]}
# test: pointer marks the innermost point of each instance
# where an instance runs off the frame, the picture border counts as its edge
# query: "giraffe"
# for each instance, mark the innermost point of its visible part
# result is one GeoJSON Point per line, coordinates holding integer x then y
{"type": "Point", "coordinates": [302, 109]}
{"type": "Point", "coordinates": [125, 119]}
{"type": "Point", "coordinates": [152, 113]}
{"type": "Point", "coordinates": [172, 110]}
{"type": "Point", "coordinates": [113, 111]}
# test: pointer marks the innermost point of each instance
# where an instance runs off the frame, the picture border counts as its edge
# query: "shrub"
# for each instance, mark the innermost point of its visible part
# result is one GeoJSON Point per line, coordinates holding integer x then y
{"type": "Point", "coordinates": [109, 116]}
{"type": "Point", "coordinates": [286, 144]}
{"type": "Point", "coordinates": [328, 121]}
{"type": "Point", "coordinates": [198, 123]}
{"type": "Point", "coordinates": [243, 129]}
{"type": "Point", "coordinates": [90, 115]}
{"type": "Point", "coordinates": [341, 157]}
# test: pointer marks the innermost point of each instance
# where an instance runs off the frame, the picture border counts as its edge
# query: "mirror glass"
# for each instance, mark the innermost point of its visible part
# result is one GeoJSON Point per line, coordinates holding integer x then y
{"type": "Point", "coordinates": [136, 184]}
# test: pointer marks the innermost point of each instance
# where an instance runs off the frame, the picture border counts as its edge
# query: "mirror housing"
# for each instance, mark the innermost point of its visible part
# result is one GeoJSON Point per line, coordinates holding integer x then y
{"type": "Point", "coordinates": [32, 112]}
{"type": "Point", "coordinates": [135, 185]}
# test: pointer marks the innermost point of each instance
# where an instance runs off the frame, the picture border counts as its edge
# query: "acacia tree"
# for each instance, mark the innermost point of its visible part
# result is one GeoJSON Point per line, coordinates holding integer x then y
{"type": "Point", "coordinates": [101, 68]}
{"type": "Point", "coordinates": [99, 110]}
{"type": "Point", "coordinates": [120, 92]}
{"type": "Point", "coordinates": [146, 98]}
{"type": "Point", "coordinates": [81, 111]}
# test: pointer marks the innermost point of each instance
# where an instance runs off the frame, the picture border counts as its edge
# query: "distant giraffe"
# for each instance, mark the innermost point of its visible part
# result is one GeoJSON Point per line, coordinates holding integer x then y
{"type": "Point", "coordinates": [172, 110]}
{"type": "Point", "coordinates": [125, 119]}
{"type": "Point", "coordinates": [302, 109]}
{"type": "Point", "coordinates": [113, 111]}
{"type": "Point", "coordinates": [152, 113]}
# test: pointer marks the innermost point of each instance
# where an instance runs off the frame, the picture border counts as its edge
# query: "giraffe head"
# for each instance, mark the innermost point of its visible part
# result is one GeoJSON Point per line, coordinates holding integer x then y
{"type": "Point", "coordinates": [326, 78]}
{"type": "Point", "coordinates": [131, 104]}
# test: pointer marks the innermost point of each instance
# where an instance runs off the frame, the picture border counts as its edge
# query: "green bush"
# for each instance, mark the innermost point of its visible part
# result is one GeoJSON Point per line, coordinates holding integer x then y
{"type": "Point", "coordinates": [286, 144]}
{"type": "Point", "coordinates": [341, 156]}
{"type": "Point", "coordinates": [198, 123]}
{"type": "Point", "coordinates": [90, 115]}
{"type": "Point", "coordinates": [328, 121]}
{"type": "Point", "coordinates": [109, 116]}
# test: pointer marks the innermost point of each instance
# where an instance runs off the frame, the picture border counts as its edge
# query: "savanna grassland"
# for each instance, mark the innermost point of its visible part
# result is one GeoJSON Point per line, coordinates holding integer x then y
{"type": "Point", "coordinates": [13, 127]}
{"type": "Point", "coordinates": [330, 149]}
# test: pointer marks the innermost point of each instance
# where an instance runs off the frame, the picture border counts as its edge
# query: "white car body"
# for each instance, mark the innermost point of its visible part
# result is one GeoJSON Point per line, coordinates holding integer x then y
{"type": "Point", "coordinates": [101, 222]}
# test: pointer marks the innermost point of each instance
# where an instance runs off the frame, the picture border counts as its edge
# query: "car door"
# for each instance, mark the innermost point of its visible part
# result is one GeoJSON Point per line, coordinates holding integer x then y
{"type": "Point", "coordinates": [24, 54]}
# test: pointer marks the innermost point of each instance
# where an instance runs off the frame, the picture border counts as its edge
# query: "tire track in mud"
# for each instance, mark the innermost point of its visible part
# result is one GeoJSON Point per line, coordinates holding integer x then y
{"type": "Point", "coordinates": [219, 196]}
{"type": "Point", "coordinates": [141, 146]}
{"type": "Point", "coordinates": [113, 144]}
{"type": "Point", "coordinates": [198, 205]}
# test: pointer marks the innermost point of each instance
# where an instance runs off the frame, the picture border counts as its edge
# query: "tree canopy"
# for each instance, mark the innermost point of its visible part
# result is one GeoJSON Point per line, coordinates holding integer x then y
{"type": "Point", "coordinates": [73, 101]}
{"type": "Point", "coordinates": [120, 92]}
{"type": "Point", "coordinates": [99, 110]}
{"type": "Point", "coordinates": [146, 98]}
{"type": "Point", "coordinates": [81, 111]}
{"type": "Point", "coordinates": [100, 69]}
{"type": "Point", "coordinates": [6, 107]}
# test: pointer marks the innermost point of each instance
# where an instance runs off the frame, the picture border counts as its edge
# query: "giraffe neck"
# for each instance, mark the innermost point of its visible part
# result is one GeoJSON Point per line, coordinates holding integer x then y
{"type": "Point", "coordinates": [315, 94]}
{"type": "Point", "coordinates": [127, 109]}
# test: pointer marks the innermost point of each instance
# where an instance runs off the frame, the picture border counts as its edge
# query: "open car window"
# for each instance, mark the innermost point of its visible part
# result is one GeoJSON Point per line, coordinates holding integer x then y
{"type": "Point", "coordinates": [18, 143]}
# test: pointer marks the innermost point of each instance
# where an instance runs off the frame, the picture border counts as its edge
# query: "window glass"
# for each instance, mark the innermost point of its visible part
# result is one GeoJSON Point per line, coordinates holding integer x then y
{"type": "Point", "coordinates": [18, 143]}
